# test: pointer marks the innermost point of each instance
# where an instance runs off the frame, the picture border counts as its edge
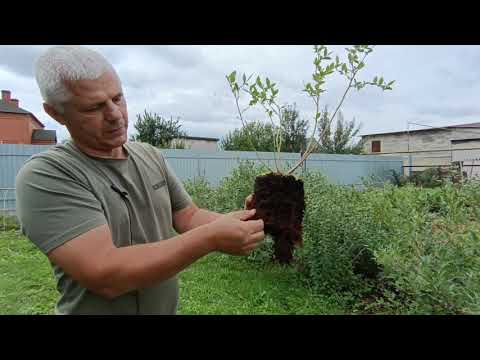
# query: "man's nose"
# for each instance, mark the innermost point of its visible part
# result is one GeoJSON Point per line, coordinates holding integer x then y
{"type": "Point", "coordinates": [112, 111]}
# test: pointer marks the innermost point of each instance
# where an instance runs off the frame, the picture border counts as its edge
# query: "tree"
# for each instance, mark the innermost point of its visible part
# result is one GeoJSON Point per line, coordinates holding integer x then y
{"type": "Point", "coordinates": [259, 136]}
{"type": "Point", "coordinates": [341, 140]}
{"type": "Point", "coordinates": [157, 131]}
{"type": "Point", "coordinates": [294, 130]}
{"type": "Point", "coordinates": [255, 135]}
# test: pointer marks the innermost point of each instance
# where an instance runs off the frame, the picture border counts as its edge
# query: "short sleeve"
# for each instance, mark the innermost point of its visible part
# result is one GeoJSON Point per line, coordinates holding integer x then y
{"type": "Point", "coordinates": [52, 206]}
{"type": "Point", "coordinates": [178, 195]}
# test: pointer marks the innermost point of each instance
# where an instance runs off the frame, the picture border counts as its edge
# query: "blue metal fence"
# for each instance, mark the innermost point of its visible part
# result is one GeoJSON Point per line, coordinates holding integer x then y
{"type": "Point", "coordinates": [188, 164]}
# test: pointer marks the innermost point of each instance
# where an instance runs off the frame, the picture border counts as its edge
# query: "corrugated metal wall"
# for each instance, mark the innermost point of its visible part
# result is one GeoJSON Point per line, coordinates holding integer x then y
{"type": "Point", "coordinates": [187, 164]}
{"type": "Point", "coordinates": [12, 157]}
{"type": "Point", "coordinates": [340, 169]}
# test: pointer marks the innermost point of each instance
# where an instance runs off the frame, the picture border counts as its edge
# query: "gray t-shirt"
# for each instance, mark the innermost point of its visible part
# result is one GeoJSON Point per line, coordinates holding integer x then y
{"type": "Point", "coordinates": [63, 193]}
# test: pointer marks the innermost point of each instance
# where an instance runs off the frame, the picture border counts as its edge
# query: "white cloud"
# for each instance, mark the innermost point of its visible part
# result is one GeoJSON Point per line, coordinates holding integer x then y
{"type": "Point", "coordinates": [436, 85]}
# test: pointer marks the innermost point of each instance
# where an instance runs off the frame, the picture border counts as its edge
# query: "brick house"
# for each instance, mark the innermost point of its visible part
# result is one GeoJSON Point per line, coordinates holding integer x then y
{"type": "Point", "coordinates": [19, 126]}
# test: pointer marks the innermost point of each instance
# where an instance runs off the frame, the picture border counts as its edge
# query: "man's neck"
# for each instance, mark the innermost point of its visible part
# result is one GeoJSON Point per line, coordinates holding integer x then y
{"type": "Point", "coordinates": [116, 153]}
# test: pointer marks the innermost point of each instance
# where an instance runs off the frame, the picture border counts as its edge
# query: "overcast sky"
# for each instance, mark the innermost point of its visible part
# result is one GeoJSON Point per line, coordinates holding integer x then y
{"type": "Point", "coordinates": [435, 85]}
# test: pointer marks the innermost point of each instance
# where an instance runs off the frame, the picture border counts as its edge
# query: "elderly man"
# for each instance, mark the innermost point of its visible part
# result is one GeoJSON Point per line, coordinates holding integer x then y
{"type": "Point", "coordinates": [104, 210]}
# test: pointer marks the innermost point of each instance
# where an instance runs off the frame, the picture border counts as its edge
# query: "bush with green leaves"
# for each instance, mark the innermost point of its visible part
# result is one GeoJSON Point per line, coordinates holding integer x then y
{"type": "Point", "coordinates": [8, 223]}
{"type": "Point", "coordinates": [419, 248]}
{"type": "Point", "coordinates": [201, 191]}
{"type": "Point", "coordinates": [396, 250]}
{"type": "Point", "coordinates": [430, 178]}
{"type": "Point", "coordinates": [234, 188]}
{"type": "Point", "coordinates": [338, 233]}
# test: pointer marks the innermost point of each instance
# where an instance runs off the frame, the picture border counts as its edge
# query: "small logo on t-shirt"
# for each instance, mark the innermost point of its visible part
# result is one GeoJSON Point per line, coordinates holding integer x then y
{"type": "Point", "coordinates": [159, 185]}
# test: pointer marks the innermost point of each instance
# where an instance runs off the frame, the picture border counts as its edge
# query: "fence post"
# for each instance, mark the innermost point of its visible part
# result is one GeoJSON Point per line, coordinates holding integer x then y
{"type": "Point", "coordinates": [409, 164]}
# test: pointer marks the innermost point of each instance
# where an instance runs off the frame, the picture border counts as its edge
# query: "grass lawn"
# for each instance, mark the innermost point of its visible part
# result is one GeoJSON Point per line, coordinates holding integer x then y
{"type": "Point", "coordinates": [217, 284]}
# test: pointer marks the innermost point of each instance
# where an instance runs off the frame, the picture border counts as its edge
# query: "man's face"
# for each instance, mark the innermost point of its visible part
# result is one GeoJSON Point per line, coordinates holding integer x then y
{"type": "Point", "coordinates": [96, 114]}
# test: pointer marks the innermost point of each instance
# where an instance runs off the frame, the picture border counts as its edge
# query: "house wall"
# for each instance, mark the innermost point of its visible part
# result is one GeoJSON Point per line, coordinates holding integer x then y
{"type": "Point", "coordinates": [424, 148]}
{"type": "Point", "coordinates": [18, 129]}
{"type": "Point", "coordinates": [202, 145]}
{"type": "Point", "coordinates": [198, 144]}
{"type": "Point", "coordinates": [15, 128]}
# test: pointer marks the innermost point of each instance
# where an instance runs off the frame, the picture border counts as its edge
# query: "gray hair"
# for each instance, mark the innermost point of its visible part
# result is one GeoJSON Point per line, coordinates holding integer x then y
{"type": "Point", "coordinates": [67, 63]}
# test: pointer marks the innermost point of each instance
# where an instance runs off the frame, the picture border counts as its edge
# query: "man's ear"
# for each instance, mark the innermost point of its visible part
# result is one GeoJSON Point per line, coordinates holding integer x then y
{"type": "Point", "coordinates": [50, 110]}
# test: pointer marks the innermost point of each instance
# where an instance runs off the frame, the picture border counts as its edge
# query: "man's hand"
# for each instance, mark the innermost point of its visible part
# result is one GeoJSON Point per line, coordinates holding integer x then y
{"type": "Point", "coordinates": [235, 234]}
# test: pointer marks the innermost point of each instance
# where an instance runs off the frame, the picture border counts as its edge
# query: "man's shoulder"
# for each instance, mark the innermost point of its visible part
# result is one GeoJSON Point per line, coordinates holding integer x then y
{"type": "Point", "coordinates": [50, 155]}
{"type": "Point", "coordinates": [138, 145]}
{"type": "Point", "coordinates": [37, 166]}
{"type": "Point", "coordinates": [58, 159]}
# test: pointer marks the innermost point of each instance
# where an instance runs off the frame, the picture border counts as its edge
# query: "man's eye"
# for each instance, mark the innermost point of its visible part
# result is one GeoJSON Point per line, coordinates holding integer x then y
{"type": "Point", "coordinates": [117, 98]}
{"type": "Point", "coordinates": [94, 108]}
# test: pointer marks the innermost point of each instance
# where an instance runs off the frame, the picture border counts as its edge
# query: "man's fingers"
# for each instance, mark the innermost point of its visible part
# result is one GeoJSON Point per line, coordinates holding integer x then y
{"type": "Point", "coordinates": [256, 238]}
{"type": "Point", "coordinates": [255, 225]}
{"type": "Point", "coordinates": [243, 214]}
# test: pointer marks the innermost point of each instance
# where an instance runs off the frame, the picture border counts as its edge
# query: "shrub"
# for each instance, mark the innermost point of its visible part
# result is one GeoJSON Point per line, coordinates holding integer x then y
{"type": "Point", "coordinates": [404, 250]}
{"type": "Point", "coordinates": [8, 223]}
{"type": "Point", "coordinates": [202, 193]}
{"type": "Point", "coordinates": [337, 236]}
{"type": "Point", "coordinates": [233, 189]}
{"type": "Point", "coordinates": [394, 250]}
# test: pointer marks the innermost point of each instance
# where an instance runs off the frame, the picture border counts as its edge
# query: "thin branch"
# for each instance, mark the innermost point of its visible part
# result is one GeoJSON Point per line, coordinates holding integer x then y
{"type": "Point", "coordinates": [307, 153]}
{"type": "Point", "coordinates": [276, 135]}
{"type": "Point", "coordinates": [244, 124]}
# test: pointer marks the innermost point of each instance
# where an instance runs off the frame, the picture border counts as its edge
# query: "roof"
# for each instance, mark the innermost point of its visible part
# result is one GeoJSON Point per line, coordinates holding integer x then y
{"type": "Point", "coordinates": [6, 108]}
{"type": "Point", "coordinates": [461, 126]}
{"type": "Point", "coordinates": [461, 141]}
{"type": "Point", "coordinates": [468, 126]}
{"type": "Point", "coordinates": [44, 135]}
{"type": "Point", "coordinates": [199, 138]}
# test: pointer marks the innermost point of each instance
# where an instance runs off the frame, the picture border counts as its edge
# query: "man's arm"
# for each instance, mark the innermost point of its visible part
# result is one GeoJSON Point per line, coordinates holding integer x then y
{"type": "Point", "coordinates": [93, 260]}
{"type": "Point", "coordinates": [192, 217]}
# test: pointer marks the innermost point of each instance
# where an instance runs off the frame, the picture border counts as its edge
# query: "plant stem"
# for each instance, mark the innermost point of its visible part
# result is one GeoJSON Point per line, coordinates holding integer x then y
{"type": "Point", "coordinates": [245, 127]}
{"type": "Point", "coordinates": [276, 136]}
{"type": "Point", "coordinates": [307, 153]}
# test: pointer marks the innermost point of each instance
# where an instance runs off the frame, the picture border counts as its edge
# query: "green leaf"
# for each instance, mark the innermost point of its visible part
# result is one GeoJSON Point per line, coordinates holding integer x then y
{"type": "Point", "coordinates": [361, 66]}
{"type": "Point", "coordinates": [268, 82]}
{"type": "Point", "coordinates": [391, 83]}
{"type": "Point", "coordinates": [244, 78]}
{"type": "Point", "coordinates": [380, 81]}
{"type": "Point", "coordinates": [375, 79]}
{"type": "Point", "coordinates": [259, 82]}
